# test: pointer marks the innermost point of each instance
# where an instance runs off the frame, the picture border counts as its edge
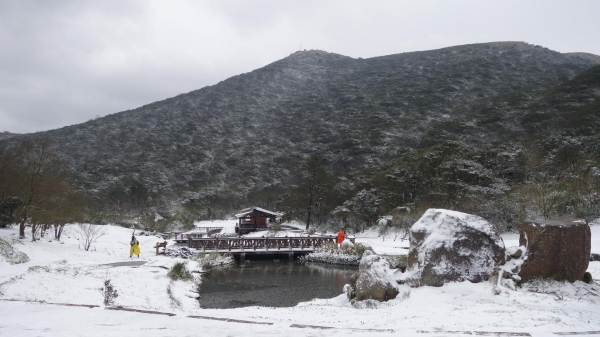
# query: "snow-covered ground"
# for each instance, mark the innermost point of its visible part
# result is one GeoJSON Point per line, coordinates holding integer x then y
{"type": "Point", "coordinates": [61, 272]}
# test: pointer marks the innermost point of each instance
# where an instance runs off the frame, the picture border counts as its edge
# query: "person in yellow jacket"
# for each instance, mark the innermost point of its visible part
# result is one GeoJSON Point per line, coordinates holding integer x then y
{"type": "Point", "coordinates": [135, 247]}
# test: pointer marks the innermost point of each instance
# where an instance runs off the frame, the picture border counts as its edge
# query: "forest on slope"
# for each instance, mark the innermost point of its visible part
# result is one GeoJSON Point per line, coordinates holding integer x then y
{"type": "Point", "coordinates": [506, 130]}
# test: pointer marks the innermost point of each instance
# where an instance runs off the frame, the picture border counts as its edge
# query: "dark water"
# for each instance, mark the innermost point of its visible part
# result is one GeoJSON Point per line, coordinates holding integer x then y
{"type": "Point", "coordinates": [272, 284]}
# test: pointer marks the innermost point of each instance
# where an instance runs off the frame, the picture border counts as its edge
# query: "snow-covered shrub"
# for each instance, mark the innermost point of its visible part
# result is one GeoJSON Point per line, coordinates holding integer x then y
{"type": "Point", "coordinates": [563, 290]}
{"type": "Point", "coordinates": [275, 230]}
{"type": "Point", "coordinates": [211, 260]}
{"type": "Point", "coordinates": [347, 254]}
{"type": "Point", "coordinates": [109, 293]}
{"type": "Point", "coordinates": [179, 271]}
{"type": "Point", "coordinates": [182, 252]}
{"type": "Point", "coordinates": [398, 261]}
{"type": "Point", "coordinates": [12, 255]}
{"type": "Point", "coordinates": [358, 248]}
{"type": "Point", "coordinates": [397, 224]}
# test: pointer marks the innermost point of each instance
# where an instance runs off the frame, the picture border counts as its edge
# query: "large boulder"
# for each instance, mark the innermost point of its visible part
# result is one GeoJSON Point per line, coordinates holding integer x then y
{"type": "Point", "coordinates": [556, 249]}
{"type": "Point", "coordinates": [375, 279]}
{"type": "Point", "coordinates": [448, 246]}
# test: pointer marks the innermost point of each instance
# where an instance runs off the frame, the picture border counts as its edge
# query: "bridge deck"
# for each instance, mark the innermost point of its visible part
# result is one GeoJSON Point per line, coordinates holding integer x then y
{"type": "Point", "coordinates": [266, 245]}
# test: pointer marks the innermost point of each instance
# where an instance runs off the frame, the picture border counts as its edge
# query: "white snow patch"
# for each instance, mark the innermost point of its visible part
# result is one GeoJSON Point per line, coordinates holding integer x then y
{"type": "Point", "coordinates": [460, 306]}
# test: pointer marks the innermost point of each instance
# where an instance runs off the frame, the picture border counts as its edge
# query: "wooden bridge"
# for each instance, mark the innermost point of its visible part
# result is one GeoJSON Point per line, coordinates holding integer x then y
{"type": "Point", "coordinates": [261, 245]}
{"type": "Point", "coordinates": [184, 237]}
{"type": "Point", "coordinates": [197, 233]}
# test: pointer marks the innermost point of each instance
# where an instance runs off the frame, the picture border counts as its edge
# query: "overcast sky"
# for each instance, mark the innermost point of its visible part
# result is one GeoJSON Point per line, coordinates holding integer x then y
{"type": "Point", "coordinates": [65, 62]}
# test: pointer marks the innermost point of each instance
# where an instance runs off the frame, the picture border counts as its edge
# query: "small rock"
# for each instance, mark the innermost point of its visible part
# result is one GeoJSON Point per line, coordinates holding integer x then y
{"type": "Point", "coordinates": [517, 254]}
{"type": "Point", "coordinates": [594, 257]}
{"type": "Point", "coordinates": [587, 278]}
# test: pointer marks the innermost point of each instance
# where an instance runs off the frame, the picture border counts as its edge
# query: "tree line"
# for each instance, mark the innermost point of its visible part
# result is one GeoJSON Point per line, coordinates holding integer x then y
{"type": "Point", "coordinates": [553, 177]}
{"type": "Point", "coordinates": [549, 178]}
{"type": "Point", "coordinates": [35, 189]}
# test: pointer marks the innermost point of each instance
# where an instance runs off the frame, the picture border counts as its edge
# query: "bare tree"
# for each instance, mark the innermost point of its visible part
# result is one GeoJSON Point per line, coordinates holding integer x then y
{"type": "Point", "coordinates": [65, 206]}
{"type": "Point", "coordinates": [89, 233]}
{"type": "Point", "coordinates": [545, 199]}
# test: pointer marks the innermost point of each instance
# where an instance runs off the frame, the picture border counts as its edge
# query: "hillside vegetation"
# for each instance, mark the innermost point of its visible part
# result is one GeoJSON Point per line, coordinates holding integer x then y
{"type": "Point", "coordinates": [506, 130]}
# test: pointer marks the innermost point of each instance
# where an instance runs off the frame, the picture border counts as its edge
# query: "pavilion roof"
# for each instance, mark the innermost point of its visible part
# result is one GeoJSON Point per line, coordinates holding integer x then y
{"type": "Point", "coordinates": [249, 210]}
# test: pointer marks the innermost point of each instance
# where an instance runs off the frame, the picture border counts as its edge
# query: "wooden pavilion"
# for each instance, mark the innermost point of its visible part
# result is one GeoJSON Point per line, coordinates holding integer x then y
{"type": "Point", "coordinates": [254, 219]}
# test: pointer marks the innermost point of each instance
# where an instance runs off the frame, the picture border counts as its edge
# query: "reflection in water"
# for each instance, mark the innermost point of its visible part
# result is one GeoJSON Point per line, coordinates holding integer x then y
{"type": "Point", "coordinates": [272, 284]}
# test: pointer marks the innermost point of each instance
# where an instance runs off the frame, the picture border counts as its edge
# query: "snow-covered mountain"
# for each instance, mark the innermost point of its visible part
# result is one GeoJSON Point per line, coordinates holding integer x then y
{"type": "Point", "coordinates": [253, 132]}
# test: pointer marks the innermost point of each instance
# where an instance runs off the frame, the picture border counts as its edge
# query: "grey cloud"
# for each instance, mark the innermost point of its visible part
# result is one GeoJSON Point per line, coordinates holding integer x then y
{"type": "Point", "coordinates": [64, 62]}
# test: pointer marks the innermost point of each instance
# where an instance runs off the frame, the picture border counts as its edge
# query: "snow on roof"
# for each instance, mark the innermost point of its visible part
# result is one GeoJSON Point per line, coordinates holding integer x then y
{"type": "Point", "coordinates": [252, 209]}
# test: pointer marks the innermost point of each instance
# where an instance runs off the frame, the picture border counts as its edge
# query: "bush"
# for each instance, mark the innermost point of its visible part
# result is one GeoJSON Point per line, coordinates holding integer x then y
{"type": "Point", "coordinates": [275, 230]}
{"type": "Point", "coordinates": [109, 293]}
{"type": "Point", "coordinates": [211, 260]}
{"type": "Point", "coordinates": [180, 272]}
{"type": "Point", "coordinates": [12, 255]}
{"type": "Point", "coordinates": [398, 261]}
{"type": "Point", "coordinates": [347, 254]}
{"type": "Point", "coordinates": [360, 249]}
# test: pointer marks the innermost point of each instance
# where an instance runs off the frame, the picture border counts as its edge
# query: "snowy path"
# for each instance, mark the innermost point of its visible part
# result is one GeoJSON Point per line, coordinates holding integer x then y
{"type": "Point", "coordinates": [50, 320]}
{"type": "Point", "coordinates": [125, 264]}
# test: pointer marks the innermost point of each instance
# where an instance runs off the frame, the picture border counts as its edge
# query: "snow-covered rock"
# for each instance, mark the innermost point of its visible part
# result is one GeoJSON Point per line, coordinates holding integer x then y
{"type": "Point", "coordinates": [448, 246]}
{"type": "Point", "coordinates": [376, 279]}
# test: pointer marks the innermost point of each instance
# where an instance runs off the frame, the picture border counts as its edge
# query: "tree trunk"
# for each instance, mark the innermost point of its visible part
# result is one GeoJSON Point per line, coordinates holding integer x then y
{"type": "Point", "coordinates": [310, 201]}
{"type": "Point", "coordinates": [33, 230]}
{"type": "Point", "coordinates": [309, 208]}
{"type": "Point", "coordinates": [22, 229]}
{"type": "Point", "coordinates": [308, 217]}
{"type": "Point", "coordinates": [58, 231]}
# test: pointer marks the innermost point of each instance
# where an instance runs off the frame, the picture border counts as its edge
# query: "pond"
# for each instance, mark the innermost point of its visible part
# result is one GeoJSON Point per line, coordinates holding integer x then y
{"type": "Point", "coordinates": [272, 284]}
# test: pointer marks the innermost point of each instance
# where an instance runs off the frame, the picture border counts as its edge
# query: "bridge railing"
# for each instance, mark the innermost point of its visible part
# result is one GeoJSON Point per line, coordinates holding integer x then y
{"type": "Point", "coordinates": [184, 236]}
{"type": "Point", "coordinates": [268, 243]}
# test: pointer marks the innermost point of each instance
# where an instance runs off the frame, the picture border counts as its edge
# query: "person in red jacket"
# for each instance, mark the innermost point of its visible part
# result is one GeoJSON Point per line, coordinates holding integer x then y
{"type": "Point", "coordinates": [341, 236]}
